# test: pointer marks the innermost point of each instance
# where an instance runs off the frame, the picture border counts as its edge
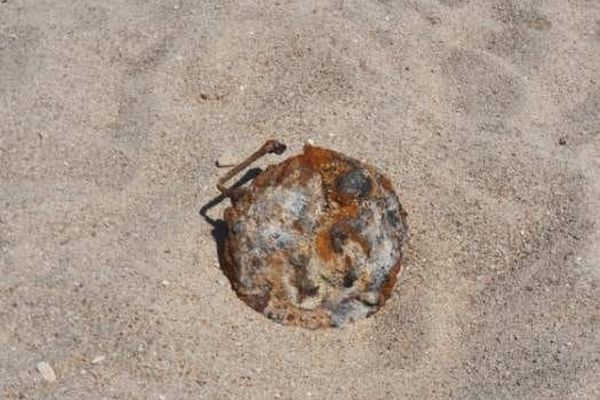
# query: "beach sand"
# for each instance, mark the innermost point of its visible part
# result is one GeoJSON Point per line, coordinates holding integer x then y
{"type": "Point", "coordinates": [484, 114]}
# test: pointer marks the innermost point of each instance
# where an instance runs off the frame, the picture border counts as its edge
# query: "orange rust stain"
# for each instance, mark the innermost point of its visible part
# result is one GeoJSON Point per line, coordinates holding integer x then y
{"type": "Point", "coordinates": [349, 210]}
{"type": "Point", "coordinates": [297, 226]}
{"type": "Point", "coordinates": [294, 171]}
{"type": "Point", "coordinates": [327, 165]}
{"type": "Point", "coordinates": [275, 276]}
{"type": "Point", "coordinates": [315, 157]}
{"type": "Point", "coordinates": [271, 175]}
{"type": "Point", "coordinates": [323, 245]}
{"type": "Point", "coordinates": [323, 238]}
{"type": "Point", "coordinates": [330, 165]}
{"type": "Point", "coordinates": [386, 183]}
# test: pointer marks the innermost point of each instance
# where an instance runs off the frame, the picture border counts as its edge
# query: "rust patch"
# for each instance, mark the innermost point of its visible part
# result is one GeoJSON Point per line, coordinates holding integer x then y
{"type": "Point", "coordinates": [316, 240]}
{"type": "Point", "coordinates": [323, 245]}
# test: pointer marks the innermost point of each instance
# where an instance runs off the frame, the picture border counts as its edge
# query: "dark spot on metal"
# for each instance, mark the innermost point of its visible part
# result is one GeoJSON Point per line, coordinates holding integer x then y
{"type": "Point", "coordinates": [354, 184]}
{"type": "Point", "coordinates": [392, 219]}
{"type": "Point", "coordinates": [338, 238]}
{"type": "Point", "coordinates": [299, 260]}
{"type": "Point", "coordinates": [308, 287]}
{"type": "Point", "coordinates": [350, 278]}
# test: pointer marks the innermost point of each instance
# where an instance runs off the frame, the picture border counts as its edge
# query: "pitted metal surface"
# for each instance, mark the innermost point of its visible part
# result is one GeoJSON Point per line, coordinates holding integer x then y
{"type": "Point", "coordinates": [316, 240]}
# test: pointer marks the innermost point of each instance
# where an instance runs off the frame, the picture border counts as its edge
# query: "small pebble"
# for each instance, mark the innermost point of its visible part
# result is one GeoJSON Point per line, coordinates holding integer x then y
{"type": "Point", "coordinates": [562, 140]}
{"type": "Point", "coordinates": [98, 359]}
{"type": "Point", "coordinates": [46, 371]}
{"type": "Point", "coordinates": [165, 283]}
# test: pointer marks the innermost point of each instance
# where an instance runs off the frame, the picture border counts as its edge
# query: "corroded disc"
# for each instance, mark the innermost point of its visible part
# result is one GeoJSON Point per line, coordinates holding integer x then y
{"type": "Point", "coordinates": [316, 240]}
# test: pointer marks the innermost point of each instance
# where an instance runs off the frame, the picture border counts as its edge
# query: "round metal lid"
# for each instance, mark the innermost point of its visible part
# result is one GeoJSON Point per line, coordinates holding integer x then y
{"type": "Point", "coordinates": [315, 240]}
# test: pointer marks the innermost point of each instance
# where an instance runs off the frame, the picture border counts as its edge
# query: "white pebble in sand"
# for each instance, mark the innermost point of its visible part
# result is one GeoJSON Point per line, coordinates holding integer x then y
{"type": "Point", "coordinates": [98, 359]}
{"type": "Point", "coordinates": [46, 371]}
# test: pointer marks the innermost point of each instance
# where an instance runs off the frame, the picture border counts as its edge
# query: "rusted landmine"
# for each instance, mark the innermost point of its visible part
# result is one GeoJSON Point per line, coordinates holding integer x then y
{"type": "Point", "coordinates": [316, 240]}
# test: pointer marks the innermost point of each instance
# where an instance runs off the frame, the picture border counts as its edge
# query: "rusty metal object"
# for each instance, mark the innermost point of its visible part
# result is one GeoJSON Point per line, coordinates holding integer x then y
{"type": "Point", "coordinates": [315, 240]}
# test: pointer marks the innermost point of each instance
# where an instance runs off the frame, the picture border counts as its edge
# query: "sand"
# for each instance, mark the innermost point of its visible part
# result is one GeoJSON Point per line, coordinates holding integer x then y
{"type": "Point", "coordinates": [485, 115]}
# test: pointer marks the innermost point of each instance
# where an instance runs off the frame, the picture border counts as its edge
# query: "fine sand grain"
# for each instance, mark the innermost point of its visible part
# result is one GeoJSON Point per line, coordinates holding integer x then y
{"type": "Point", "coordinates": [484, 113]}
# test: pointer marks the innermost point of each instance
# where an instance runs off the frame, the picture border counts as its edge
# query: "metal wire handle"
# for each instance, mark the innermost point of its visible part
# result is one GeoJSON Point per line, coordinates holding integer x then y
{"type": "Point", "coordinates": [270, 146]}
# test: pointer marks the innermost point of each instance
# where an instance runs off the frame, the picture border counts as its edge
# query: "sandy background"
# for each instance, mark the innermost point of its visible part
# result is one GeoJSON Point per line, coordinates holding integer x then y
{"type": "Point", "coordinates": [485, 114]}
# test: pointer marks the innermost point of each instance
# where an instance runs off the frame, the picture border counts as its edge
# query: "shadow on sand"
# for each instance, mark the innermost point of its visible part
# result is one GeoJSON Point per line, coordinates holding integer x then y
{"type": "Point", "coordinates": [219, 231]}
